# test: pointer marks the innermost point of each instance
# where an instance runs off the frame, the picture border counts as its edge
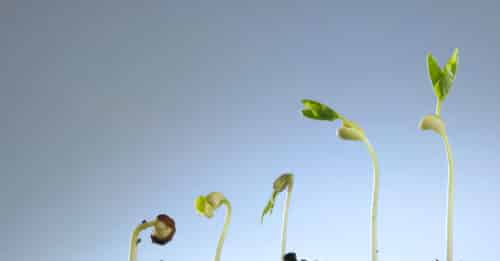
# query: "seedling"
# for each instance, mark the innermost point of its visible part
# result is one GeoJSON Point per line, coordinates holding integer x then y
{"type": "Point", "coordinates": [442, 80]}
{"type": "Point", "coordinates": [283, 182]}
{"type": "Point", "coordinates": [163, 232]}
{"type": "Point", "coordinates": [206, 206]}
{"type": "Point", "coordinates": [350, 131]}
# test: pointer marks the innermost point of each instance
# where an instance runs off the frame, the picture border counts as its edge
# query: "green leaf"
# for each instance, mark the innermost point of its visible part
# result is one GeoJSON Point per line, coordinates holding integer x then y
{"type": "Point", "coordinates": [437, 90]}
{"type": "Point", "coordinates": [203, 208]}
{"type": "Point", "coordinates": [199, 205]}
{"type": "Point", "coordinates": [451, 66]}
{"type": "Point", "coordinates": [267, 209]}
{"type": "Point", "coordinates": [317, 111]}
{"type": "Point", "coordinates": [434, 69]}
{"type": "Point", "coordinates": [446, 82]}
{"type": "Point", "coordinates": [269, 206]}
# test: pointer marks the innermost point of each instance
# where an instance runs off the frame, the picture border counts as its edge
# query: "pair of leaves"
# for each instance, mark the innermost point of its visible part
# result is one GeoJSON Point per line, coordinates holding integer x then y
{"type": "Point", "coordinates": [318, 111]}
{"type": "Point", "coordinates": [268, 209]}
{"type": "Point", "coordinates": [442, 78]}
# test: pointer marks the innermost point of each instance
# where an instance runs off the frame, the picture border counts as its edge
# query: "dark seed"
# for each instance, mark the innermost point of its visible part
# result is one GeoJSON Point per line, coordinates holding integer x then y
{"type": "Point", "coordinates": [290, 257]}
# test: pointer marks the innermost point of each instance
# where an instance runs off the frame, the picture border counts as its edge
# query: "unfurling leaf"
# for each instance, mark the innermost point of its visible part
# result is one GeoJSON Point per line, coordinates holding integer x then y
{"type": "Point", "coordinates": [203, 207]}
{"type": "Point", "coordinates": [269, 206]}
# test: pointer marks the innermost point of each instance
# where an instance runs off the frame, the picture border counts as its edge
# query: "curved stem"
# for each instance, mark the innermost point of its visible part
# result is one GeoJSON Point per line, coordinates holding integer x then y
{"type": "Point", "coordinates": [227, 220]}
{"type": "Point", "coordinates": [450, 196]}
{"type": "Point", "coordinates": [374, 204]}
{"type": "Point", "coordinates": [285, 220]}
{"type": "Point", "coordinates": [132, 256]}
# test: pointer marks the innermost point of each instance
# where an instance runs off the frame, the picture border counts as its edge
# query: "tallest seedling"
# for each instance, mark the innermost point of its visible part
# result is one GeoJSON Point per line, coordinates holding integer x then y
{"type": "Point", "coordinates": [350, 131]}
{"type": "Point", "coordinates": [442, 80]}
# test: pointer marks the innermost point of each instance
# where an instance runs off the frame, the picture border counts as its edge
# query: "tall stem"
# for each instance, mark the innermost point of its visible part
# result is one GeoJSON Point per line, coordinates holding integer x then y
{"type": "Point", "coordinates": [227, 220]}
{"type": "Point", "coordinates": [132, 256]}
{"type": "Point", "coordinates": [374, 203]}
{"type": "Point", "coordinates": [284, 226]}
{"type": "Point", "coordinates": [450, 197]}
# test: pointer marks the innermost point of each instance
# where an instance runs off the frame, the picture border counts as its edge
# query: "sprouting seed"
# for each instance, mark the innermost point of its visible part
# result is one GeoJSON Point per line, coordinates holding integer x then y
{"type": "Point", "coordinates": [163, 232]}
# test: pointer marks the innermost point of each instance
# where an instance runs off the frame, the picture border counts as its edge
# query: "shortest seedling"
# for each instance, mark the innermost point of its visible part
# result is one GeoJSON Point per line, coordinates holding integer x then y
{"type": "Point", "coordinates": [206, 206]}
{"type": "Point", "coordinates": [163, 232]}
{"type": "Point", "coordinates": [283, 182]}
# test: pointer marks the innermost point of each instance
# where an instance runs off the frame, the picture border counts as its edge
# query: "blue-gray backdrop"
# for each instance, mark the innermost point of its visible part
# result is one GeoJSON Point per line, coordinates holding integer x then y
{"type": "Point", "coordinates": [115, 111]}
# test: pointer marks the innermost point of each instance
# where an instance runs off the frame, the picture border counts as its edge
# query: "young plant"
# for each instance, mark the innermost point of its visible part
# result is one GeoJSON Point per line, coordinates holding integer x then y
{"type": "Point", "coordinates": [351, 131]}
{"type": "Point", "coordinates": [442, 80]}
{"type": "Point", "coordinates": [283, 182]}
{"type": "Point", "coordinates": [206, 206]}
{"type": "Point", "coordinates": [163, 232]}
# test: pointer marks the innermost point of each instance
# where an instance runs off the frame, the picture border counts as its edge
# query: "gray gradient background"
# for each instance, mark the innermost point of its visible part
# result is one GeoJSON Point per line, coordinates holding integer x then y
{"type": "Point", "coordinates": [114, 111]}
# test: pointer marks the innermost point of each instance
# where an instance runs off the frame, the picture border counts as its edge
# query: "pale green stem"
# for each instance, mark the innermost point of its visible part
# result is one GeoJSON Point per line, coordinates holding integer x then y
{"type": "Point", "coordinates": [450, 197]}
{"type": "Point", "coordinates": [285, 220]}
{"type": "Point", "coordinates": [438, 107]}
{"type": "Point", "coordinates": [227, 220]}
{"type": "Point", "coordinates": [132, 256]}
{"type": "Point", "coordinates": [374, 203]}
